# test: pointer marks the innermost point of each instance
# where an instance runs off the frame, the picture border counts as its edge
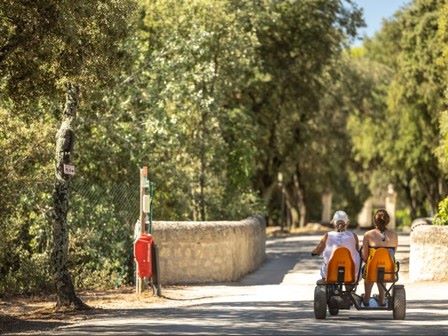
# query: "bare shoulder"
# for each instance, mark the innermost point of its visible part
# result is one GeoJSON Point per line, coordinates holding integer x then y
{"type": "Point", "coordinates": [368, 233]}
{"type": "Point", "coordinates": [368, 236]}
{"type": "Point", "coordinates": [365, 237]}
{"type": "Point", "coordinates": [393, 234]}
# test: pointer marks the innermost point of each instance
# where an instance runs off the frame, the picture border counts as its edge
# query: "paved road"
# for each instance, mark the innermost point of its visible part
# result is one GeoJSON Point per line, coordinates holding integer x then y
{"type": "Point", "coordinates": [275, 300]}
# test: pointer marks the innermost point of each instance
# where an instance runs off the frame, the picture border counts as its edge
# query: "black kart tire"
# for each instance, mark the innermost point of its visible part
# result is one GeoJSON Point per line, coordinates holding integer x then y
{"type": "Point", "coordinates": [320, 302]}
{"type": "Point", "coordinates": [399, 302]}
{"type": "Point", "coordinates": [333, 307]}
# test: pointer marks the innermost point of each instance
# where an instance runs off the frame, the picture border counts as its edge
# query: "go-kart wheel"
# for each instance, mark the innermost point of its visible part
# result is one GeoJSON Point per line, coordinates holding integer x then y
{"type": "Point", "coordinates": [320, 302]}
{"type": "Point", "coordinates": [399, 302]}
{"type": "Point", "coordinates": [333, 306]}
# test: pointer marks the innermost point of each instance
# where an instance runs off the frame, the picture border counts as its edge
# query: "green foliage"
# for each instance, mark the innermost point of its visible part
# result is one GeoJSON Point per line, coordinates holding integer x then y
{"type": "Point", "coordinates": [296, 54]}
{"type": "Point", "coordinates": [24, 163]}
{"type": "Point", "coordinates": [441, 217]}
{"type": "Point", "coordinates": [442, 150]}
{"type": "Point", "coordinates": [206, 57]}
{"type": "Point", "coordinates": [46, 43]}
{"type": "Point", "coordinates": [32, 274]}
{"type": "Point", "coordinates": [43, 46]}
{"type": "Point", "coordinates": [101, 233]}
{"type": "Point", "coordinates": [403, 217]}
{"type": "Point", "coordinates": [217, 98]}
{"type": "Point", "coordinates": [396, 140]}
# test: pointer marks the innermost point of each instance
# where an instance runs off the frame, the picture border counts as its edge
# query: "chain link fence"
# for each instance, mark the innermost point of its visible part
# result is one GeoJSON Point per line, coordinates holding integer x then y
{"type": "Point", "coordinates": [101, 222]}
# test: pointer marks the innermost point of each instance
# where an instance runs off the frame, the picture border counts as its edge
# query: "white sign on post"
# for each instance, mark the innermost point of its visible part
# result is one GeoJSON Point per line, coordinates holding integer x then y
{"type": "Point", "coordinates": [69, 169]}
{"type": "Point", "coordinates": [146, 203]}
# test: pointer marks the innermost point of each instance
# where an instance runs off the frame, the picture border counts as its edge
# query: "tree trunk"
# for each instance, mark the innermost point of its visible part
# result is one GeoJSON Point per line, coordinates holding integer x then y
{"type": "Point", "coordinates": [203, 163]}
{"type": "Point", "coordinates": [66, 296]}
{"type": "Point", "coordinates": [408, 194]}
{"type": "Point", "coordinates": [298, 186]}
{"type": "Point", "coordinates": [292, 214]}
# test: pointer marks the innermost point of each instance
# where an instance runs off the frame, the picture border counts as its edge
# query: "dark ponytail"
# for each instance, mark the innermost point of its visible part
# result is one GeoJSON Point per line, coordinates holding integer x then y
{"type": "Point", "coordinates": [381, 219]}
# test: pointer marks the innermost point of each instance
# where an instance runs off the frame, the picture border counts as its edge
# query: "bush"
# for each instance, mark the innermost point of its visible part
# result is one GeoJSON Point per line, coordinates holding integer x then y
{"type": "Point", "coordinates": [30, 275]}
{"type": "Point", "coordinates": [403, 217]}
{"type": "Point", "coordinates": [441, 218]}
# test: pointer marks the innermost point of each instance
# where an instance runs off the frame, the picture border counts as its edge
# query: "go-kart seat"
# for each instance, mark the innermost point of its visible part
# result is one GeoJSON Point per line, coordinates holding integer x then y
{"type": "Point", "coordinates": [380, 266]}
{"type": "Point", "coordinates": [341, 267]}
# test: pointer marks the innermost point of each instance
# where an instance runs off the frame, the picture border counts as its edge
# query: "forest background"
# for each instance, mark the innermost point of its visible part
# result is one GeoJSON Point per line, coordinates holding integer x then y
{"type": "Point", "coordinates": [237, 107]}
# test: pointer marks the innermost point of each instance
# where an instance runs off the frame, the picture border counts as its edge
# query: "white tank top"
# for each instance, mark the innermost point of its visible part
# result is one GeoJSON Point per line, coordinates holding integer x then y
{"type": "Point", "coordinates": [338, 239]}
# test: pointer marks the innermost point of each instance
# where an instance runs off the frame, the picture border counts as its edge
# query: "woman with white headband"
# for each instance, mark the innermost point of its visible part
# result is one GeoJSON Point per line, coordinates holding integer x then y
{"type": "Point", "coordinates": [334, 239]}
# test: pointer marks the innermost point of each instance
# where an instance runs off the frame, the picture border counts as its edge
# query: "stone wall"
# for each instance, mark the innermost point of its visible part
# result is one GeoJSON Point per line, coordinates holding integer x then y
{"type": "Point", "coordinates": [428, 259]}
{"type": "Point", "coordinates": [202, 252]}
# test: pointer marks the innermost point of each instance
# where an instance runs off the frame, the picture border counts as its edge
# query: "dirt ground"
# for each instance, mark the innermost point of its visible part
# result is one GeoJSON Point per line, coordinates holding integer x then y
{"type": "Point", "coordinates": [27, 314]}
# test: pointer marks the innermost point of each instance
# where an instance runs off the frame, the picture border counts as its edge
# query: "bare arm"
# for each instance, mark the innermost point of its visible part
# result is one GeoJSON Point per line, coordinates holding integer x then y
{"type": "Point", "coordinates": [395, 242]}
{"type": "Point", "coordinates": [321, 246]}
{"type": "Point", "coordinates": [356, 241]}
{"type": "Point", "coordinates": [365, 247]}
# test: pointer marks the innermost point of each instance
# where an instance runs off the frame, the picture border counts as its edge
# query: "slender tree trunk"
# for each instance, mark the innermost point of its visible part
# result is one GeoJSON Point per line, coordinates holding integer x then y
{"type": "Point", "coordinates": [411, 200]}
{"type": "Point", "coordinates": [291, 212]}
{"type": "Point", "coordinates": [301, 199]}
{"type": "Point", "coordinates": [66, 296]}
{"type": "Point", "coordinates": [194, 203]}
{"type": "Point", "coordinates": [442, 187]}
{"type": "Point", "coordinates": [202, 165]}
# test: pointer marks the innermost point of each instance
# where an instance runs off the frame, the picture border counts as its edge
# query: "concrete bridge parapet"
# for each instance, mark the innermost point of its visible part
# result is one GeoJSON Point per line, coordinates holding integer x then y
{"type": "Point", "coordinates": [205, 252]}
{"type": "Point", "coordinates": [428, 259]}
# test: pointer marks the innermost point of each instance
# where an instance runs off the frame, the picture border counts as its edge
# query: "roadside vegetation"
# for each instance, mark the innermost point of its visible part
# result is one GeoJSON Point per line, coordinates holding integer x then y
{"type": "Point", "coordinates": [237, 107]}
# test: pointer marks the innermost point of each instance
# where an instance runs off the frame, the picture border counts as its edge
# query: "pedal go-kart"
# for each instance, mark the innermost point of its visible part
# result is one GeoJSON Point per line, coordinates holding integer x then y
{"type": "Point", "coordinates": [338, 290]}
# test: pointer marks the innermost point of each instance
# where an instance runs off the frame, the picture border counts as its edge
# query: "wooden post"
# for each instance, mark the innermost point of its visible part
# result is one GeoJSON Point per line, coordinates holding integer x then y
{"type": "Point", "coordinates": [143, 178]}
{"type": "Point", "coordinates": [139, 283]}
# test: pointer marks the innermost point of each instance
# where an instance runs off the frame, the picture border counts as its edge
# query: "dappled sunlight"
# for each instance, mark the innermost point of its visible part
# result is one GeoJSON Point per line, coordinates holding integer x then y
{"type": "Point", "coordinates": [266, 318]}
{"type": "Point", "coordinates": [277, 299]}
{"type": "Point", "coordinates": [121, 119]}
{"type": "Point", "coordinates": [285, 256]}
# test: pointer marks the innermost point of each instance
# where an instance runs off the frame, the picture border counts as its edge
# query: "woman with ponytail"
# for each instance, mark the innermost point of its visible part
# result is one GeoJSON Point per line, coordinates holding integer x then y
{"type": "Point", "coordinates": [380, 236]}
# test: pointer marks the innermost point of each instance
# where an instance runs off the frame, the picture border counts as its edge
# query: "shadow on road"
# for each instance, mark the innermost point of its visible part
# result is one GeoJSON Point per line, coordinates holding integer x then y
{"type": "Point", "coordinates": [266, 318]}
{"type": "Point", "coordinates": [283, 257]}
{"type": "Point", "coordinates": [13, 324]}
{"type": "Point", "coordinates": [255, 308]}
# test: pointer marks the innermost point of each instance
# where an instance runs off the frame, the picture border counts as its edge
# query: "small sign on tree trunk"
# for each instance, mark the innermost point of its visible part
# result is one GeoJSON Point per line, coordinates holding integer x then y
{"type": "Point", "coordinates": [69, 169]}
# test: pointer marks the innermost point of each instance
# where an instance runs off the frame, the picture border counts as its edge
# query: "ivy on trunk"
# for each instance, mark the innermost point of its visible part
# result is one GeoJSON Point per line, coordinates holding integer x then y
{"type": "Point", "coordinates": [66, 295]}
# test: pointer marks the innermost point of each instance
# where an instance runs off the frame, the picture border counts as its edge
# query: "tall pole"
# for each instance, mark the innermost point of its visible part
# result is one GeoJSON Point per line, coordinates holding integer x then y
{"type": "Point", "coordinates": [143, 182]}
{"type": "Point", "coordinates": [139, 284]}
{"type": "Point", "coordinates": [151, 196]}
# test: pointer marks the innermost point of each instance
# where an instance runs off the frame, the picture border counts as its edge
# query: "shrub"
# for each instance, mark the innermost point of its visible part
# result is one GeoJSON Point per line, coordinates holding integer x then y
{"type": "Point", "coordinates": [441, 218]}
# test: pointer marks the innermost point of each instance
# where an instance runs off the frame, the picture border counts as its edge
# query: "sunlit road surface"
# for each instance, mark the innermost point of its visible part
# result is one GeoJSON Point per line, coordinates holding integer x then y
{"type": "Point", "coordinates": [275, 300]}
